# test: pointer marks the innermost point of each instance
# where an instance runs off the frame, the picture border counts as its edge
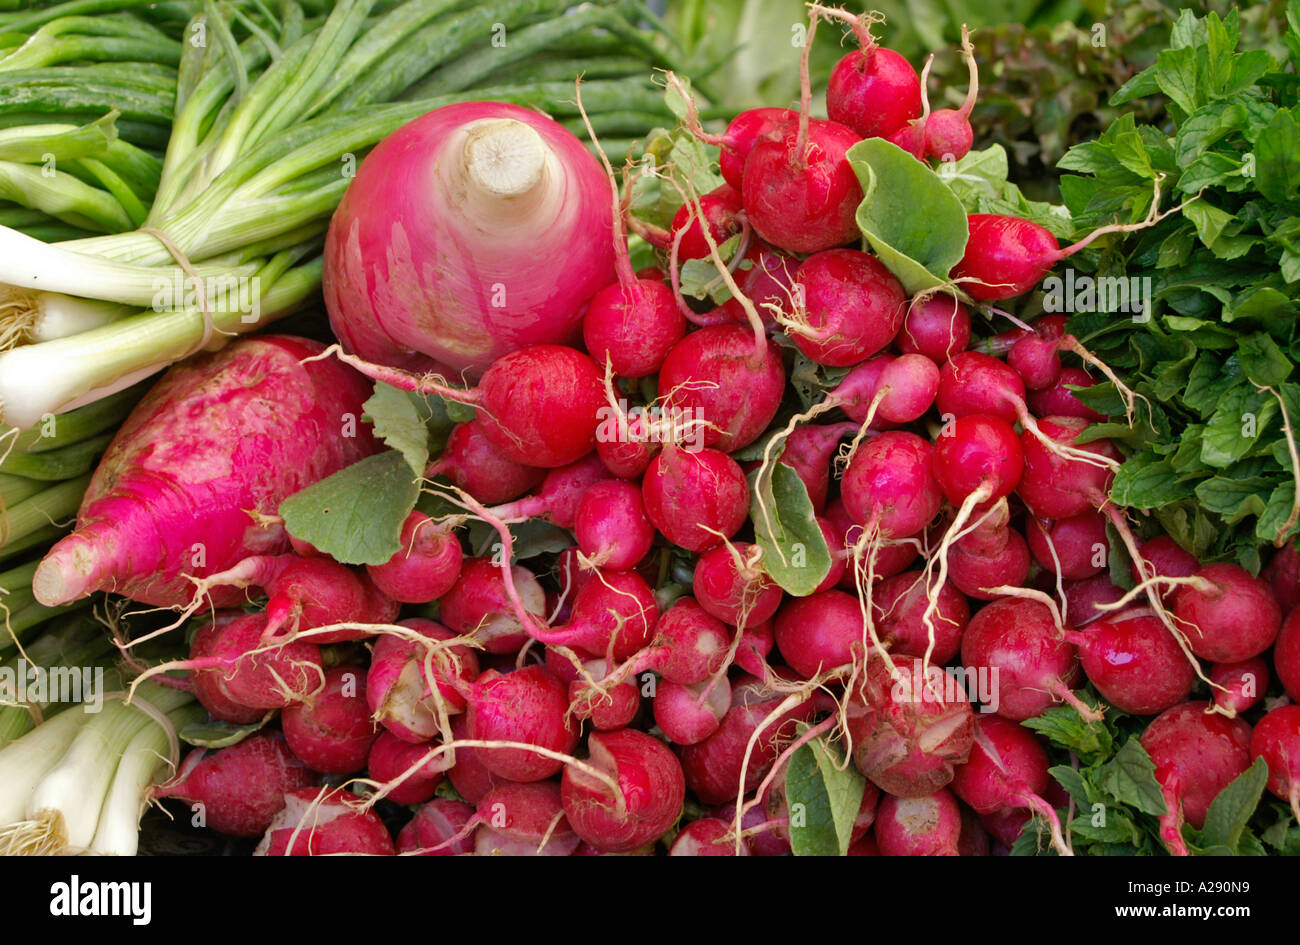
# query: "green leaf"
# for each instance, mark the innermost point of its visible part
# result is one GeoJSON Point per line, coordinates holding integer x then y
{"type": "Point", "coordinates": [919, 248]}
{"type": "Point", "coordinates": [1130, 778]}
{"type": "Point", "coordinates": [1262, 360]}
{"type": "Point", "coordinates": [1236, 424]}
{"type": "Point", "coordinates": [399, 420]}
{"type": "Point", "coordinates": [1066, 728]}
{"type": "Point", "coordinates": [795, 553]}
{"type": "Point", "coordinates": [1146, 481]}
{"type": "Point", "coordinates": [214, 733]}
{"type": "Point", "coordinates": [700, 278]}
{"type": "Point", "coordinates": [823, 795]}
{"type": "Point", "coordinates": [1234, 499]}
{"type": "Point", "coordinates": [355, 516]}
{"type": "Point", "coordinates": [1277, 157]}
{"type": "Point", "coordinates": [1231, 811]}
{"type": "Point", "coordinates": [530, 539]}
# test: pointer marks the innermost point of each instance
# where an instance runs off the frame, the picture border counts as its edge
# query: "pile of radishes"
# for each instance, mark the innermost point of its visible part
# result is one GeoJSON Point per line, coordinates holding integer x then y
{"type": "Point", "coordinates": [646, 688]}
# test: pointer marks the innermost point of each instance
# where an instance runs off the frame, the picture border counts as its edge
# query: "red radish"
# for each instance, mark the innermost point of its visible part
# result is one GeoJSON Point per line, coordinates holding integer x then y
{"type": "Point", "coordinates": [937, 328]}
{"type": "Point", "coordinates": [708, 836]}
{"type": "Point", "coordinates": [848, 307]}
{"type": "Point", "coordinates": [477, 605]}
{"type": "Point", "coordinates": [1017, 643]}
{"type": "Point", "coordinates": [891, 556]}
{"type": "Point", "coordinates": [690, 645]}
{"type": "Point", "coordinates": [890, 481]}
{"type": "Point", "coordinates": [1283, 574]}
{"type": "Point", "coordinates": [1007, 256]}
{"type": "Point", "coordinates": [977, 458]}
{"type": "Point", "coordinates": [433, 825]}
{"type": "Point", "coordinates": [808, 451]}
{"type": "Point", "coordinates": [768, 282]}
{"type": "Point", "coordinates": [318, 822]}
{"type": "Point", "coordinates": [730, 584]}
{"type": "Point", "coordinates": [919, 826]}
{"type": "Point", "coordinates": [468, 776]}
{"type": "Point", "coordinates": [391, 757]}
{"type": "Point", "coordinates": [1231, 617]}
{"type": "Point", "coordinates": [1276, 739]}
{"type": "Point", "coordinates": [608, 711]}
{"type": "Point", "coordinates": [1056, 487]}
{"type": "Point", "coordinates": [695, 498]}
{"type": "Point", "coordinates": [1243, 684]}
{"type": "Point", "coordinates": [874, 90]}
{"type": "Point", "coordinates": [1286, 655]}
{"type": "Point", "coordinates": [1057, 400]}
{"type": "Point", "coordinates": [713, 766]}
{"type": "Point", "coordinates": [1167, 559]}
{"type": "Point", "coordinates": [716, 380]}
{"type": "Point", "coordinates": [755, 646]}
{"type": "Point", "coordinates": [1007, 768]}
{"type": "Point", "coordinates": [512, 204]}
{"type": "Point", "coordinates": [427, 565]}
{"type": "Point", "coordinates": [561, 492]}
{"type": "Point", "coordinates": [722, 209]}
{"type": "Point", "coordinates": [865, 847]}
{"type": "Point", "coordinates": [207, 685]}
{"type": "Point", "coordinates": [1076, 547]}
{"type": "Point", "coordinates": [839, 560]}
{"type": "Point", "coordinates": [900, 603]}
{"type": "Point", "coordinates": [239, 789]}
{"type": "Point", "coordinates": [1134, 662]}
{"type": "Point", "coordinates": [529, 705]}
{"type": "Point", "coordinates": [611, 526]}
{"type": "Point", "coordinates": [651, 783]}
{"type": "Point", "coordinates": [745, 130]}
{"type": "Point", "coordinates": [821, 633]}
{"type": "Point", "coordinates": [1036, 360]}
{"type": "Point", "coordinates": [775, 840]}
{"type": "Point", "coordinates": [173, 493]}
{"type": "Point", "coordinates": [689, 714]}
{"type": "Point", "coordinates": [257, 675]}
{"type": "Point", "coordinates": [988, 557]}
{"type": "Point", "coordinates": [948, 134]}
{"type": "Point", "coordinates": [404, 676]}
{"type": "Point", "coordinates": [615, 611]}
{"type": "Point", "coordinates": [471, 461]}
{"type": "Point", "coordinates": [523, 820]}
{"type": "Point", "coordinates": [627, 443]}
{"type": "Point", "coordinates": [1196, 753]}
{"type": "Point", "coordinates": [1084, 600]}
{"type": "Point", "coordinates": [331, 731]}
{"type": "Point", "coordinates": [909, 730]}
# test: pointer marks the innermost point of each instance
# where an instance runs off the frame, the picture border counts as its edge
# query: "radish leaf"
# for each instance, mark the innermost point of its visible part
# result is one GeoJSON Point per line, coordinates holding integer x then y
{"type": "Point", "coordinates": [823, 795]}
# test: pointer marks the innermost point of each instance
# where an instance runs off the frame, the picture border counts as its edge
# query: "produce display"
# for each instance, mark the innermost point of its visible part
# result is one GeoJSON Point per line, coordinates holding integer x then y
{"type": "Point", "coordinates": [631, 472]}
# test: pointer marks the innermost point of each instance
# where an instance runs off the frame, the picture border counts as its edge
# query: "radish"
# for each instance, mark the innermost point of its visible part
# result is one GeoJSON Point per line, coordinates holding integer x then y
{"type": "Point", "coordinates": [910, 726]}
{"type": "Point", "coordinates": [821, 633]}
{"type": "Point", "coordinates": [478, 605]}
{"type": "Point", "coordinates": [900, 603]}
{"type": "Point", "coordinates": [1228, 615]}
{"type": "Point", "coordinates": [512, 204]}
{"type": "Point", "coordinates": [722, 210]}
{"type": "Point", "coordinates": [695, 498]}
{"type": "Point", "coordinates": [865, 847]}
{"type": "Point", "coordinates": [650, 782]}
{"type": "Point", "coordinates": [239, 789]}
{"type": "Point", "coordinates": [1276, 739]}
{"type": "Point", "coordinates": [405, 674]}
{"type": "Point", "coordinates": [892, 557]}
{"type": "Point", "coordinates": [608, 710]}
{"type": "Point", "coordinates": [319, 822]}
{"type": "Point", "coordinates": [257, 675]}
{"type": "Point", "coordinates": [988, 557]}
{"type": "Point", "coordinates": [977, 460]}
{"type": "Point", "coordinates": [774, 840]}
{"type": "Point", "coordinates": [1196, 753]}
{"type": "Point", "coordinates": [690, 645]}
{"type": "Point", "coordinates": [1076, 548]}
{"type": "Point", "coordinates": [391, 757]}
{"type": "Point", "coordinates": [713, 767]}
{"type": "Point", "coordinates": [716, 380]}
{"type": "Point", "coordinates": [1084, 598]}
{"type": "Point", "coordinates": [173, 493]}
{"type": "Point", "coordinates": [768, 283]}
{"type": "Point", "coordinates": [948, 134]}
{"type": "Point", "coordinates": [754, 647]}
{"type": "Point", "coordinates": [427, 565]}
{"type": "Point", "coordinates": [874, 90]}
{"type": "Point", "coordinates": [1019, 645]}
{"type": "Point", "coordinates": [890, 485]}
{"type": "Point", "coordinates": [919, 826]}
{"type": "Point", "coordinates": [1134, 662]}
{"type": "Point", "coordinates": [553, 381]}
{"type": "Point", "coordinates": [688, 714]}
{"type": "Point", "coordinates": [1283, 574]}
{"type": "Point", "coordinates": [558, 497]}
{"type": "Point", "coordinates": [730, 584]}
{"type": "Point", "coordinates": [1286, 655]}
{"type": "Point", "coordinates": [848, 307]}
{"type": "Point", "coordinates": [207, 686]}
{"type": "Point", "coordinates": [708, 836]}
{"type": "Point", "coordinates": [331, 730]}
{"type": "Point", "coordinates": [434, 825]}
{"type": "Point", "coordinates": [523, 820]}
{"type": "Point", "coordinates": [938, 328]}
{"type": "Point", "coordinates": [529, 705]}
{"type": "Point", "coordinates": [1036, 360]}
{"type": "Point", "coordinates": [1054, 486]}
{"type": "Point", "coordinates": [611, 526]}
{"type": "Point", "coordinates": [808, 451]}
{"type": "Point", "coordinates": [1007, 769]}
{"type": "Point", "coordinates": [476, 466]}
{"type": "Point", "coordinates": [626, 450]}
{"type": "Point", "coordinates": [1239, 687]}
{"type": "Point", "coordinates": [1057, 400]}
{"type": "Point", "coordinates": [468, 775]}
{"type": "Point", "coordinates": [616, 611]}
